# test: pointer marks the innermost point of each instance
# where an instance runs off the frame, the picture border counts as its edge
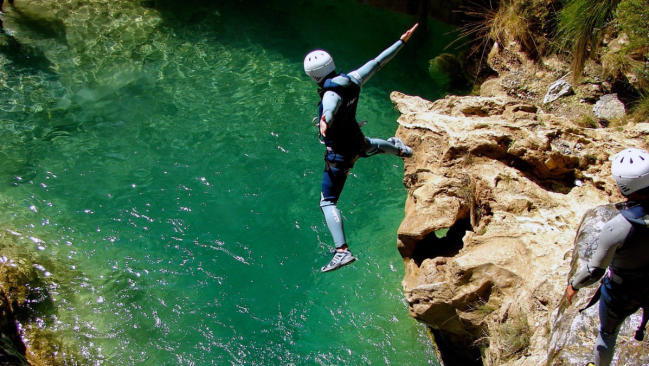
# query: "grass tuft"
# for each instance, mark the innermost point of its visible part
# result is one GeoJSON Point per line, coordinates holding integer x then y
{"type": "Point", "coordinates": [510, 20]}
{"type": "Point", "coordinates": [581, 28]}
{"type": "Point", "coordinates": [506, 340]}
{"type": "Point", "coordinates": [640, 110]}
{"type": "Point", "coordinates": [587, 121]}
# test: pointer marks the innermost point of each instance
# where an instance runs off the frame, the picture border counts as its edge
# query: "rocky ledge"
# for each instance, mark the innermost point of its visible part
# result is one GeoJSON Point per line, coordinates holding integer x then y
{"type": "Point", "coordinates": [496, 191]}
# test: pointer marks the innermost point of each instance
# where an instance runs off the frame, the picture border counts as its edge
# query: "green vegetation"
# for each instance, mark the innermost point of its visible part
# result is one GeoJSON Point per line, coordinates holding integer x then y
{"type": "Point", "coordinates": [441, 233]}
{"type": "Point", "coordinates": [640, 110]}
{"type": "Point", "coordinates": [522, 21]}
{"type": "Point", "coordinates": [506, 340]}
{"type": "Point", "coordinates": [485, 309]}
{"type": "Point", "coordinates": [612, 33]}
{"type": "Point", "coordinates": [587, 120]}
{"type": "Point", "coordinates": [448, 72]}
{"type": "Point", "coordinates": [516, 20]}
{"type": "Point", "coordinates": [582, 25]}
{"type": "Point", "coordinates": [633, 21]}
{"type": "Point", "coordinates": [615, 63]}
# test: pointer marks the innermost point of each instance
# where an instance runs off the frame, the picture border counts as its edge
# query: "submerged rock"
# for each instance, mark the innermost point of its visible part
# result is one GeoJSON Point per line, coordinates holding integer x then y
{"type": "Point", "coordinates": [27, 307]}
{"type": "Point", "coordinates": [501, 176]}
{"type": "Point", "coordinates": [13, 350]}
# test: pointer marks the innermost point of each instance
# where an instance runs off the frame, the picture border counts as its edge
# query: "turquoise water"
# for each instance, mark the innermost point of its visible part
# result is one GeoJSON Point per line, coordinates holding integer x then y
{"type": "Point", "coordinates": [163, 154]}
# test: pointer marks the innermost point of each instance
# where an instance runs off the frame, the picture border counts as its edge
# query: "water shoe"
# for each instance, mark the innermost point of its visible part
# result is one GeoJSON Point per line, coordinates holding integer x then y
{"type": "Point", "coordinates": [340, 259]}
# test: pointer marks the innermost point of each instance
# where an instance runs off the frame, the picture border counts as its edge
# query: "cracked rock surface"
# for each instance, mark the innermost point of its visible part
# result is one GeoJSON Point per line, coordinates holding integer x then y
{"type": "Point", "coordinates": [496, 190]}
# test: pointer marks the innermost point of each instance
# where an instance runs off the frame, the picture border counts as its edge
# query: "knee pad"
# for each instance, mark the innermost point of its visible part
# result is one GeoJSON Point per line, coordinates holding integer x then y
{"type": "Point", "coordinates": [326, 202]}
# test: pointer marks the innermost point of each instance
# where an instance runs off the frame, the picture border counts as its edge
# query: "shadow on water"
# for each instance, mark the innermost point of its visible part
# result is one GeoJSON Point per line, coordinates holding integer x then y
{"type": "Point", "coordinates": [12, 348]}
{"type": "Point", "coordinates": [24, 299]}
{"type": "Point", "coordinates": [27, 59]}
{"type": "Point", "coordinates": [38, 28]}
{"type": "Point", "coordinates": [27, 306]}
{"type": "Point", "coordinates": [23, 56]}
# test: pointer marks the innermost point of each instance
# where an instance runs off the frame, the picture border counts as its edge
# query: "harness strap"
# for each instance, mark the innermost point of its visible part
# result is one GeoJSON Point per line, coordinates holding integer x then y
{"type": "Point", "coordinates": [594, 299]}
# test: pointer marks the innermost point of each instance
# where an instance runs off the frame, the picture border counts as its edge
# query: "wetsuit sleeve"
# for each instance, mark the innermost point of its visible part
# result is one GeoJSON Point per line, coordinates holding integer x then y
{"type": "Point", "coordinates": [365, 72]}
{"type": "Point", "coordinates": [330, 103]}
{"type": "Point", "coordinates": [611, 238]}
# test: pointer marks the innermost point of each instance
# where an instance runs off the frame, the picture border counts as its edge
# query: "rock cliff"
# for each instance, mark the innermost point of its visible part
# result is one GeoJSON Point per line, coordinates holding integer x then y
{"type": "Point", "coordinates": [496, 190]}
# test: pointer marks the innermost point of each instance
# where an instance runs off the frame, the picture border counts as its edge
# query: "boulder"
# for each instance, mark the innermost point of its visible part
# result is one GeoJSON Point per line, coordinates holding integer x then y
{"type": "Point", "coordinates": [609, 107]}
{"type": "Point", "coordinates": [558, 89]}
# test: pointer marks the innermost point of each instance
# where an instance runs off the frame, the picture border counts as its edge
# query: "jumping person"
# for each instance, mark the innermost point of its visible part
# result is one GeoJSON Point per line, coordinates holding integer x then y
{"type": "Point", "coordinates": [623, 248]}
{"type": "Point", "coordinates": [342, 135]}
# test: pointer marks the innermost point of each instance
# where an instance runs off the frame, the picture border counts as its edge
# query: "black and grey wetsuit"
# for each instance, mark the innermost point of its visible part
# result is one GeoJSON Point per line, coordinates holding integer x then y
{"type": "Point", "coordinates": [623, 247]}
{"type": "Point", "coordinates": [340, 96]}
{"type": "Point", "coordinates": [344, 139]}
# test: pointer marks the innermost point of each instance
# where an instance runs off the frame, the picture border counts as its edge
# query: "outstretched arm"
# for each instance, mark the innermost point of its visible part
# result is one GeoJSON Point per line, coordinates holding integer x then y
{"type": "Point", "coordinates": [365, 72]}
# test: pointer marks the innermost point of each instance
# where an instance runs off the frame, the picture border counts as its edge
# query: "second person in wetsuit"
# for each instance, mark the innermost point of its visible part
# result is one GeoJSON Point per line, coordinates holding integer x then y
{"type": "Point", "coordinates": [623, 248]}
{"type": "Point", "coordinates": [342, 135]}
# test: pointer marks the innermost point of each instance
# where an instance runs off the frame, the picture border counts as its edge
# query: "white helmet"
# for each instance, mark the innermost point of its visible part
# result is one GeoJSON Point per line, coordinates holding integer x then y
{"type": "Point", "coordinates": [630, 168]}
{"type": "Point", "coordinates": [318, 64]}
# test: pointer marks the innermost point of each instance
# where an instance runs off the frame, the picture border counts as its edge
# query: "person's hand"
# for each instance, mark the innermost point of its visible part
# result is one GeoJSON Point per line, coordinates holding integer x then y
{"type": "Point", "coordinates": [323, 126]}
{"type": "Point", "coordinates": [570, 293]}
{"type": "Point", "coordinates": [406, 36]}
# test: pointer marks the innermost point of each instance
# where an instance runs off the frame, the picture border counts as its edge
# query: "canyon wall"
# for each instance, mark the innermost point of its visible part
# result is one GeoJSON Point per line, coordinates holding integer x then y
{"type": "Point", "coordinates": [497, 187]}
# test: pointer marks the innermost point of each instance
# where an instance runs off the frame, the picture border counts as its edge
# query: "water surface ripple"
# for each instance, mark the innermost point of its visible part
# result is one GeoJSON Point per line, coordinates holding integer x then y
{"type": "Point", "coordinates": [161, 153]}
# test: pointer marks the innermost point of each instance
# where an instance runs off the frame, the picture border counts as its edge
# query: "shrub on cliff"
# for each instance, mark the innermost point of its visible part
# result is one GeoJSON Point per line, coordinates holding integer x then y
{"type": "Point", "coordinates": [581, 27]}
{"type": "Point", "coordinates": [506, 340]}
{"type": "Point", "coordinates": [524, 21]}
{"type": "Point", "coordinates": [633, 21]}
{"type": "Point", "coordinates": [448, 72]}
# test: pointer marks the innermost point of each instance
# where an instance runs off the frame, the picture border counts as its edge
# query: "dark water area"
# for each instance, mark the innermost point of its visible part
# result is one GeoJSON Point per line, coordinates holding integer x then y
{"type": "Point", "coordinates": [162, 153]}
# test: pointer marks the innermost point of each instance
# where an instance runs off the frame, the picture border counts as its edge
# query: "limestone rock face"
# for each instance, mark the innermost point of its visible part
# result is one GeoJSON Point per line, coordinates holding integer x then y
{"type": "Point", "coordinates": [496, 189]}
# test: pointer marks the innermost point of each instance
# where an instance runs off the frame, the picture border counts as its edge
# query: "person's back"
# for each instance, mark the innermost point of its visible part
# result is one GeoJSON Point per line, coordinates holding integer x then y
{"type": "Point", "coordinates": [344, 136]}
{"type": "Point", "coordinates": [632, 257]}
{"type": "Point", "coordinates": [623, 244]}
